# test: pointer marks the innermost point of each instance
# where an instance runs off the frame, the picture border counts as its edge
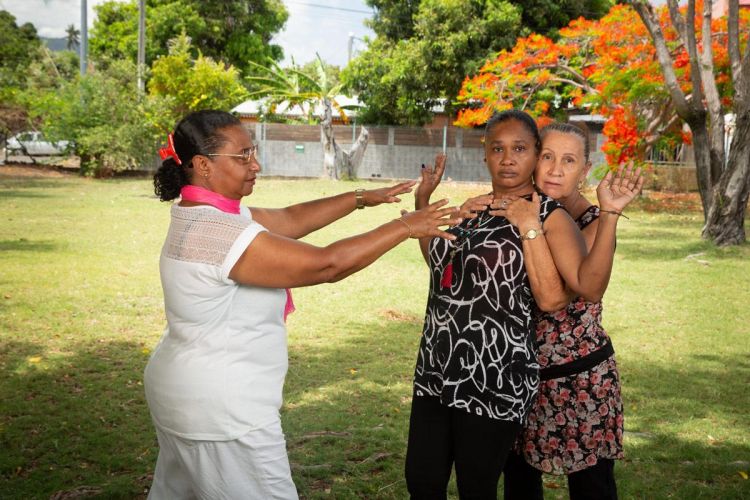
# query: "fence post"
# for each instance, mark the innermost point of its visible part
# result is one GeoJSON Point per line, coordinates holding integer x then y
{"type": "Point", "coordinates": [445, 138]}
{"type": "Point", "coordinates": [263, 142]}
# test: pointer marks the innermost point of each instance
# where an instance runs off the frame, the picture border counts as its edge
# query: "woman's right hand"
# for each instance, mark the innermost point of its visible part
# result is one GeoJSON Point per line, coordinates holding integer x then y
{"type": "Point", "coordinates": [430, 180]}
{"type": "Point", "coordinates": [473, 206]}
{"type": "Point", "coordinates": [426, 222]}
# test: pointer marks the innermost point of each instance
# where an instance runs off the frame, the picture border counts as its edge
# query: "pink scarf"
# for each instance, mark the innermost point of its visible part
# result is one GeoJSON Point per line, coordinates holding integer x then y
{"type": "Point", "coordinates": [198, 194]}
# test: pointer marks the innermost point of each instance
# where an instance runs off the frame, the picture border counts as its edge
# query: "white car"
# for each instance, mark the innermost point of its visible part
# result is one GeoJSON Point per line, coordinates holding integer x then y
{"type": "Point", "coordinates": [34, 144]}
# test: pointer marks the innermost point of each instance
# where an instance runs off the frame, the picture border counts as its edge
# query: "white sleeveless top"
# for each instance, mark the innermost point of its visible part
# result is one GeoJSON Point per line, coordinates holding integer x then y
{"type": "Point", "coordinates": [219, 369]}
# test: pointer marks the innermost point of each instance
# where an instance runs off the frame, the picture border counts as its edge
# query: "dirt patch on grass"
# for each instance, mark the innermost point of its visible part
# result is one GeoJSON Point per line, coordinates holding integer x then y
{"type": "Point", "coordinates": [11, 170]}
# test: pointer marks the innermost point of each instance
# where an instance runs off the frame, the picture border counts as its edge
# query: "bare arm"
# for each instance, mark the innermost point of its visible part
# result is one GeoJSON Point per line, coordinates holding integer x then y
{"type": "Point", "coordinates": [429, 181]}
{"type": "Point", "coordinates": [272, 260]}
{"type": "Point", "coordinates": [302, 219]}
{"type": "Point", "coordinates": [557, 262]}
{"type": "Point", "coordinates": [585, 275]}
{"type": "Point", "coordinates": [615, 192]}
{"type": "Point", "coordinates": [547, 286]}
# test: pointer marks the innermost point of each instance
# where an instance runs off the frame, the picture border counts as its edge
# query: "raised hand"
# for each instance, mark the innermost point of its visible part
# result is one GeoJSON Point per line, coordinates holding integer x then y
{"type": "Point", "coordinates": [375, 197]}
{"type": "Point", "coordinates": [616, 191]}
{"type": "Point", "coordinates": [520, 212]}
{"type": "Point", "coordinates": [426, 222]}
{"type": "Point", "coordinates": [430, 179]}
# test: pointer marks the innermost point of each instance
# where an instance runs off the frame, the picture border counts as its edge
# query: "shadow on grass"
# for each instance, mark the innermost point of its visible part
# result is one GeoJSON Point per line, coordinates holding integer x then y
{"type": "Point", "coordinates": [347, 410]}
{"type": "Point", "coordinates": [78, 418]}
{"type": "Point", "coordinates": [12, 186]}
{"type": "Point", "coordinates": [24, 245]}
{"type": "Point", "coordinates": [14, 193]}
{"type": "Point", "coordinates": [74, 421]}
{"type": "Point", "coordinates": [677, 428]}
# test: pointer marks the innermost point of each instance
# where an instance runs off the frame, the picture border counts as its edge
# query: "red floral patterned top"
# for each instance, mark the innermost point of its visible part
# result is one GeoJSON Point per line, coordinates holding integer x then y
{"type": "Point", "coordinates": [576, 419]}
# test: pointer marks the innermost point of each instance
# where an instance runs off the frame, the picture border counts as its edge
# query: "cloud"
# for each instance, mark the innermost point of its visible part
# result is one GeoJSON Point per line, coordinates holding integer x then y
{"type": "Point", "coordinates": [323, 27]}
{"type": "Point", "coordinates": [50, 17]}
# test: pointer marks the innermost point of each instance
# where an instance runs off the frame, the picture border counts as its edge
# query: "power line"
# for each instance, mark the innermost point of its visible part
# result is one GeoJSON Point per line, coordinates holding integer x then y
{"type": "Point", "coordinates": [343, 9]}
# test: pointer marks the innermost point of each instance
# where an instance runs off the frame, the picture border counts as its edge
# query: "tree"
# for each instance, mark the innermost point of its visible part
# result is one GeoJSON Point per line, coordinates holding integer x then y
{"type": "Point", "coordinates": [424, 50]}
{"type": "Point", "coordinates": [191, 84]}
{"type": "Point", "coordinates": [393, 19]}
{"type": "Point", "coordinates": [111, 126]}
{"type": "Point", "coordinates": [723, 176]}
{"type": "Point", "coordinates": [231, 31]}
{"type": "Point", "coordinates": [292, 87]}
{"type": "Point", "coordinates": [72, 37]}
{"type": "Point", "coordinates": [609, 66]}
{"type": "Point", "coordinates": [19, 47]}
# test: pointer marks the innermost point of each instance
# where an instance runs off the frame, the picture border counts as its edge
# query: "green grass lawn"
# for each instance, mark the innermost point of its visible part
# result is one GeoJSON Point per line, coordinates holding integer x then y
{"type": "Point", "coordinates": [81, 309]}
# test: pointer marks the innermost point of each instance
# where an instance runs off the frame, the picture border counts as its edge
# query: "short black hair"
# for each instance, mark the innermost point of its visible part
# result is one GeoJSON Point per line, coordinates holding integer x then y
{"type": "Point", "coordinates": [197, 133]}
{"type": "Point", "coordinates": [514, 114]}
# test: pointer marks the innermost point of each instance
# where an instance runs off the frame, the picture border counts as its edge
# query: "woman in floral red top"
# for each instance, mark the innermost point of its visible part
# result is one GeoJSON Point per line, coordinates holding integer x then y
{"type": "Point", "coordinates": [575, 426]}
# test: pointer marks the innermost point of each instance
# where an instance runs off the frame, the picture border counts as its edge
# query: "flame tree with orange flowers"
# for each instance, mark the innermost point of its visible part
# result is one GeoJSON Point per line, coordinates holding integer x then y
{"type": "Point", "coordinates": [640, 67]}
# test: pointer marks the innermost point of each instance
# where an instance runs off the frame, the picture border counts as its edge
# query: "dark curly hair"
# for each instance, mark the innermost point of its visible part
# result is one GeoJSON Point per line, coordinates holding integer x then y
{"type": "Point", "coordinates": [513, 114]}
{"type": "Point", "coordinates": [197, 133]}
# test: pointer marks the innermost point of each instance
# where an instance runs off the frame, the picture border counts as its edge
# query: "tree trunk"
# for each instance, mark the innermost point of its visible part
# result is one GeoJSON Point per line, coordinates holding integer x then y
{"type": "Point", "coordinates": [702, 155]}
{"type": "Point", "coordinates": [356, 153]}
{"type": "Point", "coordinates": [725, 221]}
{"type": "Point", "coordinates": [337, 163]}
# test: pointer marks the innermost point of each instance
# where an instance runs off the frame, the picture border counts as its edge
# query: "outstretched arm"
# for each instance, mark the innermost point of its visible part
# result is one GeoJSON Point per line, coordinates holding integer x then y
{"type": "Point", "coordinates": [275, 261]}
{"type": "Point", "coordinates": [547, 286]}
{"type": "Point", "coordinates": [302, 219]}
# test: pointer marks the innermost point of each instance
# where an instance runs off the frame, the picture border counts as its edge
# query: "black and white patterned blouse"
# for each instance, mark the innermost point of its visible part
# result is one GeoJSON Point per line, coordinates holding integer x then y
{"type": "Point", "coordinates": [477, 349]}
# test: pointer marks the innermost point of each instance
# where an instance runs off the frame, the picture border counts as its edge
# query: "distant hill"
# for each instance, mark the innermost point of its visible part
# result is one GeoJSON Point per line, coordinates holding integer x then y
{"type": "Point", "coordinates": [56, 44]}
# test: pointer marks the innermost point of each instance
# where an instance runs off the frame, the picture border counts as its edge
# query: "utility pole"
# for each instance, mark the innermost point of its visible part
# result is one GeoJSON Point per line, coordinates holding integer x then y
{"type": "Point", "coordinates": [141, 43]}
{"type": "Point", "coordinates": [84, 37]}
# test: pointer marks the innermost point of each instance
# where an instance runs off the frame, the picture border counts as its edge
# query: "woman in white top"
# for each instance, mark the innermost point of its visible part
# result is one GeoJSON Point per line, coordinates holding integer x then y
{"type": "Point", "coordinates": [214, 383]}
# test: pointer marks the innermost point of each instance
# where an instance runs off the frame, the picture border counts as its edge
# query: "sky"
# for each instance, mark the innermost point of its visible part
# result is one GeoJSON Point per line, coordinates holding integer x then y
{"type": "Point", "coordinates": [321, 26]}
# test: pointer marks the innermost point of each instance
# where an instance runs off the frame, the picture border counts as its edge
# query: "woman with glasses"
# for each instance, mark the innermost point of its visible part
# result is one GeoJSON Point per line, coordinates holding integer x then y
{"type": "Point", "coordinates": [214, 382]}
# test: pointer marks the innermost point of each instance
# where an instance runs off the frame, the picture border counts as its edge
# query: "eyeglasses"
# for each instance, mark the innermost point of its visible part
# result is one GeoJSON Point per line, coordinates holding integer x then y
{"type": "Point", "coordinates": [246, 155]}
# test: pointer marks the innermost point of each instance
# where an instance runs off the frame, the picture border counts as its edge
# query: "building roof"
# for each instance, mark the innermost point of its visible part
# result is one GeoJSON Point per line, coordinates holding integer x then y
{"type": "Point", "coordinates": [587, 118]}
{"type": "Point", "coordinates": [256, 107]}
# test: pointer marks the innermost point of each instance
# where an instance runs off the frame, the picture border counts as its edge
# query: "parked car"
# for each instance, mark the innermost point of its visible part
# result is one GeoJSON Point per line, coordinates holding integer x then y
{"type": "Point", "coordinates": [35, 144]}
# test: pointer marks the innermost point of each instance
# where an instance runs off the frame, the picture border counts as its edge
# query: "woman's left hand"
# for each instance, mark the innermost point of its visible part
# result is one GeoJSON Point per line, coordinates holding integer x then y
{"type": "Point", "coordinates": [520, 212]}
{"type": "Point", "coordinates": [375, 197]}
{"type": "Point", "coordinates": [616, 191]}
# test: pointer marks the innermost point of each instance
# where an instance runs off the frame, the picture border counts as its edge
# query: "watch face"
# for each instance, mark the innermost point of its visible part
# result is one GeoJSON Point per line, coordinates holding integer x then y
{"type": "Point", "coordinates": [531, 234]}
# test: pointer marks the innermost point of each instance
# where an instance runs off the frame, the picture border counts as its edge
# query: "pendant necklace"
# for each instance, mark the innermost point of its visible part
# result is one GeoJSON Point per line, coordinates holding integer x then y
{"type": "Point", "coordinates": [464, 236]}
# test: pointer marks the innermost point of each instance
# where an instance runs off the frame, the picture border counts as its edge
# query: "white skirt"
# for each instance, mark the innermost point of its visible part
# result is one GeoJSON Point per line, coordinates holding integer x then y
{"type": "Point", "coordinates": [253, 466]}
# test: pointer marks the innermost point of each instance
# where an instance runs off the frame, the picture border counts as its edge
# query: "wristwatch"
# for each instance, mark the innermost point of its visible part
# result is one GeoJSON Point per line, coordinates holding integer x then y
{"type": "Point", "coordinates": [359, 196]}
{"type": "Point", "coordinates": [532, 233]}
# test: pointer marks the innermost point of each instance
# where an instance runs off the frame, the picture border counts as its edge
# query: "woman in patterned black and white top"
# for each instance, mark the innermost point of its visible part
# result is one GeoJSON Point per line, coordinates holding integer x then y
{"type": "Point", "coordinates": [477, 374]}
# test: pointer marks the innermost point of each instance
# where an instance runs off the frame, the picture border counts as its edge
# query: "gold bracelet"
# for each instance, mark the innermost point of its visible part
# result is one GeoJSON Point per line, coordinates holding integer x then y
{"type": "Point", "coordinates": [406, 224]}
{"type": "Point", "coordinates": [359, 196]}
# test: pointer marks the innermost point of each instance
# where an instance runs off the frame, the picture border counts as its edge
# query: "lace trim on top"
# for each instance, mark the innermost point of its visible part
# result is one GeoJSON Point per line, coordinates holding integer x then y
{"type": "Point", "coordinates": [202, 235]}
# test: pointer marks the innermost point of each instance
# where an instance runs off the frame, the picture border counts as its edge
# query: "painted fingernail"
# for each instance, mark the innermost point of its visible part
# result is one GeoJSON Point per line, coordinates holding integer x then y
{"type": "Point", "coordinates": [422, 165]}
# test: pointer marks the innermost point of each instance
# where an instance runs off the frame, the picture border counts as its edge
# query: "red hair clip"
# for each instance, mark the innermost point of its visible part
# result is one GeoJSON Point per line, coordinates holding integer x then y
{"type": "Point", "coordinates": [169, 151]}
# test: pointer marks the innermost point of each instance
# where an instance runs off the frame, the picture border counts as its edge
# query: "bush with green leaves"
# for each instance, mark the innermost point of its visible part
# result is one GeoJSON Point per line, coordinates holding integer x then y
{"type": "Point", "coordinates": [111, 126]}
